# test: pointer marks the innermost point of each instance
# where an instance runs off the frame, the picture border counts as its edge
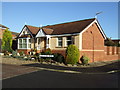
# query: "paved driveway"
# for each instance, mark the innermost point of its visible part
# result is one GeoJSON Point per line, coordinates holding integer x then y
{"type": "Point", "coordinates": [9, 71]}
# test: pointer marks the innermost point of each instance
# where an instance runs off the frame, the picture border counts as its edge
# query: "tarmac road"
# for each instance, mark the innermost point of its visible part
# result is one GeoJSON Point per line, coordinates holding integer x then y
{"type": "Point", "coordinates": [53, 79]}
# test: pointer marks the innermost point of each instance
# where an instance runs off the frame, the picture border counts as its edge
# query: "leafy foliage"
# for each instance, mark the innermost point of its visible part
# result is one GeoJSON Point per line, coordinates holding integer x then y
{"type": "Point", "coordinates": [14, 53]}
{"type": "Point", "coordinates": [84, 59]}
{"type": "Point", "coordinates": [58, 57]}
{"type": "Point", "coordinates": [109, 42]}
{"type": "Point", "coordinates": [7, 41]}
{"type": "Point", "coordinates": [72, 54]}
{"type": "Point", "coordinates": [21, 53]}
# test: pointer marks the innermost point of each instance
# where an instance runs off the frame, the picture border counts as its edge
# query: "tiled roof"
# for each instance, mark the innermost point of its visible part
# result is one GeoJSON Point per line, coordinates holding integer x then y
{"type": "Point", "coordinates": [33, 29]}
{"type": "Point", "coordinates": [70, 27]}
{"type": "Point", "coordinates": [2, 26]}
{"type": "Point", "coordinates": [47, 31]}
{"type": "Point", "coordinates": [64, 28]}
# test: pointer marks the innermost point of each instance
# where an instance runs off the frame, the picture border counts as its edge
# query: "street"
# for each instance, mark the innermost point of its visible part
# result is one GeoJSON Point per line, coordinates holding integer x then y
{"type": "Point", "coordinates": [53, 79]}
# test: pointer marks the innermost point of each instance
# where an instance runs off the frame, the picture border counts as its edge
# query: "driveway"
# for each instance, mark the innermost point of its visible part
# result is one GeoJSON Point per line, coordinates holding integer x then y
{"type": "Point", "coordinates": [9, 70]}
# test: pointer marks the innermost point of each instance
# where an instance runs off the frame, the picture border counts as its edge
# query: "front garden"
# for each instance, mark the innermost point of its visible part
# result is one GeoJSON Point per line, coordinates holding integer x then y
{"type": "Point", "coordinates": [71, 58]}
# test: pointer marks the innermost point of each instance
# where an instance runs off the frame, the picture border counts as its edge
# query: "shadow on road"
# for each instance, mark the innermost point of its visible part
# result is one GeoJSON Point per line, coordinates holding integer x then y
{"type": "Point", "coordinates": [105, 68]}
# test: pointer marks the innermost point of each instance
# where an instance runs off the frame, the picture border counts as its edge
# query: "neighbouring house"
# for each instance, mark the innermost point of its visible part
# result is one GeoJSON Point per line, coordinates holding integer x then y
{"type": "Point", "coordinates": [86, 34]}
{"type": "Point", "coordinates": [14, 35]}
{"type": "Point", "coordinates": [117, 41]}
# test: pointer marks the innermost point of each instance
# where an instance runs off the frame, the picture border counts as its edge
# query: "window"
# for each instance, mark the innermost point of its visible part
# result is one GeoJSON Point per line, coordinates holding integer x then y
{"type": "Point", "coordinates": [60, 41]}
{"type": "Point", "coordinates": [20, 43]}
{"type": "Point", "coordinates": [69, 40]}
{"type": "Point", "coordinates": [24, 43]}
{"type": "Point", "coordinates": [29, 43]}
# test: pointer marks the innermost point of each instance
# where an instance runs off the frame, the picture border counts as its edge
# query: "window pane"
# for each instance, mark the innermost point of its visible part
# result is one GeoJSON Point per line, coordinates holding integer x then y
{"type": "Point", "coordinates": [29, 45]}
{"type": "Point", "coordinates": [59, 43]}
{"type": "Point", "coordinates": [20, 45]}
{"type": "Point", "coordinates": [69, 42]}
{"type": "Point", "coordinates": [24, 46]}
{"type": "Point", "coordinates": [20, 40]}
{"type": "Point", "coordinates": [59, 38]}
{"type": "Point", "coordinates": [29, 41]}
{"type": "Point", "coordinates": [69, 38]}
{"type": "Point", "coordinates": [24, 40]}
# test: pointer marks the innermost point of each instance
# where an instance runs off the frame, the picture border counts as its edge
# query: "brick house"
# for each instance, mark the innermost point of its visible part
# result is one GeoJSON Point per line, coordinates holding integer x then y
{"type": "Point", "coordinates": [86, 34]}
{"type": "Point", "coordinates": [14, 35]}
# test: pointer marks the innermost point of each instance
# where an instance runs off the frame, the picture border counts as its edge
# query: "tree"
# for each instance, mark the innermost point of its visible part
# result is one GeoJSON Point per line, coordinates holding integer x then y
{"type": "Point", "coordinates": [7, 41]}
{"type": "Point", "coordinates": [109, 42]}
{"type": "Point", "coordinates": [72, 54]}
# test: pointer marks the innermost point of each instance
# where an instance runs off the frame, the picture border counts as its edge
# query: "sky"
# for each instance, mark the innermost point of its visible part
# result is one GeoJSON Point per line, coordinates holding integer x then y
{"type": "Point", "coordinates": [16, 14]}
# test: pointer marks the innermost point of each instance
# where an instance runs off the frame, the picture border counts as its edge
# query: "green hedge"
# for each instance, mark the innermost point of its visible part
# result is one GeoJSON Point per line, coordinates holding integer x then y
{"type": "Point", "coordinates": [72, 54]}
{"type": "Point", "coordinates": [84, 59]}
{"type": "Point", "coordinates": [58, 57]}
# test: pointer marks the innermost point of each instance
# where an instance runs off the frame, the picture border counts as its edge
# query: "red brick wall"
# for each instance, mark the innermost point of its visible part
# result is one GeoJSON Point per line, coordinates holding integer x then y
{"type": "Point", "coordinates": [93, 55]}
{"type": "Point", "coordinates": [92, 40]}
{"type": "Point", "coordinates": [24, 50]}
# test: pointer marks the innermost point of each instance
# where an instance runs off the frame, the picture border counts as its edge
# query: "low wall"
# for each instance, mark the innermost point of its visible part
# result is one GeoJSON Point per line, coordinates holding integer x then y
{"type": "Point", "coordinates": [109, 53]}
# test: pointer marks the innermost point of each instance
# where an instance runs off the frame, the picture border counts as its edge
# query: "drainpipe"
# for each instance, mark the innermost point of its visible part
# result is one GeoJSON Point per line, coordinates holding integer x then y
{"type": "Point", "coordinates": [93, 44]}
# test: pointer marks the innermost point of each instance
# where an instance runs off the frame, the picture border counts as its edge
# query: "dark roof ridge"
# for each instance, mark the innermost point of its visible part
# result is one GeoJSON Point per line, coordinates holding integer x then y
{"type": "Point", "coordinates": [69, 22]}
{"type": "Point", "coordinates": [32, 26]}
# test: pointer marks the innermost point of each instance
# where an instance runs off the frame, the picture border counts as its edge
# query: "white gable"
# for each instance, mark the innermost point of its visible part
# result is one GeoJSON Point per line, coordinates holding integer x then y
{"type": "Point", "coordinates": [40, 33]}
{"type": "Point", "coordinates": [25, 31]}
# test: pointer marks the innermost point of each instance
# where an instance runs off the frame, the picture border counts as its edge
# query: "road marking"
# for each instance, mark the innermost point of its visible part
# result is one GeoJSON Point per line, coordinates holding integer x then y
{"type": "Point", "coordinates": [113, 71]}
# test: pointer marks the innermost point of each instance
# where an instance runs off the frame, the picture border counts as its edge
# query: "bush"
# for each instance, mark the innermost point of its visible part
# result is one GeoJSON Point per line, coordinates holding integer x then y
{"type": "Point", "coordinates": [84, 59]}
{"type": "Point", "coordinates": [58, 57]}
{"type": "Point", "coordinates": [109, 42]}
{"type": "Point", "coordinates": [72, 54]}
{"type": "Point", "coordinates": [5, 53]}
{"type": "Point", "coordinates": [21, 53]}
{"type": "Point", "coordinates": [47, 52]}
{"type": "Point", "coordinates": [14, 53]}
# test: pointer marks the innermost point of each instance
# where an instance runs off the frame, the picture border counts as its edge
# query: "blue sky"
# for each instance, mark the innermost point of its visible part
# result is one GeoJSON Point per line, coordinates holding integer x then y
{"type": "Point", "coordinates": [16, 14]}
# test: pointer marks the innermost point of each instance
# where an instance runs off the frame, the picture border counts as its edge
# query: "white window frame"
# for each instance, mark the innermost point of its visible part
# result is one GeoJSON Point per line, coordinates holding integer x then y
{"type": "Point", "coordinates": [27, 42]}
{"type": "Point", "coordinates": [59, 41]}
{"type": "Point", "coordinates": [68, 40]}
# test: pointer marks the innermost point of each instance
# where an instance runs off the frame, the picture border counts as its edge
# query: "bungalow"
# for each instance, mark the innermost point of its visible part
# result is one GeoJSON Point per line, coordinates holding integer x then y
{"type": "Point", "coordinates": [86, 34]}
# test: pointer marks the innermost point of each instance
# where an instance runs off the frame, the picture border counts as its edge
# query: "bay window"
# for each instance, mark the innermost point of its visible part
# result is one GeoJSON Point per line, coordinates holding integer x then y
{"type": "Point", "coordinates": [24, 43]}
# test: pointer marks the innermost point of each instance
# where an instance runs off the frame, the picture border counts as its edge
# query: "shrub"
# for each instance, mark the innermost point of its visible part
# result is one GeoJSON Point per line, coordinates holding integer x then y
{"type": "Point", "coordinates": [84, 59]}
{"type": "Point", "coordinates": [21, 53]}
{"type": "Point", "coordinates": [14, 53]}
{"type": "Point", "coordinates": [5, 53]}
{"type": "Point", "coordinates": [47, 51]}
{"type": "Point", "coordinates": [72, 54]}
{"type": "Point", "coordinates": [109, 42]}
{"type": "Point", "coordinates": [58, 57]}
